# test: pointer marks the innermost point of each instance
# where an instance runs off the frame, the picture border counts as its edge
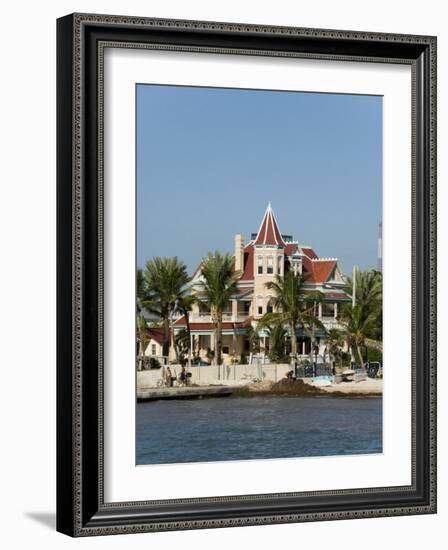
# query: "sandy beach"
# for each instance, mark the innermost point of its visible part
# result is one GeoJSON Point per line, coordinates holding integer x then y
{"type": "Point", "coordinates": [366, 387]}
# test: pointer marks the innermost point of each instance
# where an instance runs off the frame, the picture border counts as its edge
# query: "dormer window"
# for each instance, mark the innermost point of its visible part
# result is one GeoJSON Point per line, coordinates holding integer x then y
{"type": "Point", "coordinates": [260, 265]}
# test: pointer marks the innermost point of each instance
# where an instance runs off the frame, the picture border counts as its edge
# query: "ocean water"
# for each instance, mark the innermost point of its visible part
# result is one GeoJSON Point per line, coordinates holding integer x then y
{"type": "Point", "coordinates": [239, 428]}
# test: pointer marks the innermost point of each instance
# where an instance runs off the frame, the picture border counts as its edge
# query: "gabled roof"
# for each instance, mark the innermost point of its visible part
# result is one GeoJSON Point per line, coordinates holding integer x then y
{"type": "Point", "coordinates": [155, 334]}
{"type": "Point", "coordinates": [269, 233]}
{"type": "Point", "coordinates": [319, 270]}
{"type": "Point", "coordinates": [309, 252]}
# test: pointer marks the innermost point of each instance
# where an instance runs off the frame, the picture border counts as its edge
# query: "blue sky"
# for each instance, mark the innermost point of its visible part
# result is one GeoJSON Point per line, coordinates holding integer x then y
{"type": "Point", "coordinates": [209, 160]}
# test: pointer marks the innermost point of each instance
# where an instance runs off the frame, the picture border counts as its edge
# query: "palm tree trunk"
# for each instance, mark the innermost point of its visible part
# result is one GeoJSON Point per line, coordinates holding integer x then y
{"type": "Point", "coordinates": [358, 349]}
{"type": "Point", "coordinates": [166, 336]}
{"type": "Point", "coordinates": [173, 342]}
{"type": "Point", "coordinates": [293, 339]}
{"type": "Point", "coordinates": [218, 339]}
{"type": "Point", "coordinates": [187, 321]}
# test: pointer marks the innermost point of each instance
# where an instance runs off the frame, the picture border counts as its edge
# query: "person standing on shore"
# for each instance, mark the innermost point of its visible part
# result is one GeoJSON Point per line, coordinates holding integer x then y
{"type": "Point", "coordinates": [168, 377]}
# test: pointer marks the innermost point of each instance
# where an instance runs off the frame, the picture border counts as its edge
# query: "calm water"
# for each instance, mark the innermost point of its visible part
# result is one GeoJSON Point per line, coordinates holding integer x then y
{"type": "Point", "coordinates": [236, 428]}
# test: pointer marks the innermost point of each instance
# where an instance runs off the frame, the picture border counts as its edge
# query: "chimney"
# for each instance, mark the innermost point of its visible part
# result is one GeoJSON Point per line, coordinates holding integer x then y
{"type": "Point", "coordinates": [239, 253]}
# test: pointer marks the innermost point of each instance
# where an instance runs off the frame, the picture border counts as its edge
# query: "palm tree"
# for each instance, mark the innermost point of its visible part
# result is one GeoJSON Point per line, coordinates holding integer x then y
{"type": "Point", "coordinates": [184, 306]}
{"type": "Point", "coordinates": [364, 321]}
{"type": "Point", "coordinates": [277, 342]}
{"type": "Point", "coordinates": [142, 336]}
{"type": "Point", "coordinates": [183, 346]}
{"type": "Point", "coordinates": [253, 338]}
{"type": "Point", "coordinates": [143, 340]}
{"type": "Point", "coordinates": [369, 296]}
{"type": "Point", "coordinates": [294, 306]}
{"type": "Point", "coordinates": [357, 329]}
{"type": "Point", "coordinates": [334, 343]}
{"type": "Point", "coordinates": [218, 285]}
{"type": "Point", "coordinates": [166, 280]}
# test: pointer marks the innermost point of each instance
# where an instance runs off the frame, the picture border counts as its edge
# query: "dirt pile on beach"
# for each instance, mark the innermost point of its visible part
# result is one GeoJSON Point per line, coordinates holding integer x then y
{"type": "Point", "coordinates": [282, 388]}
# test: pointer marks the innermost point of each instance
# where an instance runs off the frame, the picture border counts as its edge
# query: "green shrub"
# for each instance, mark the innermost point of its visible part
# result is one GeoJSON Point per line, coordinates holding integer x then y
{"type": "Point", "coordinates": [154, 363]}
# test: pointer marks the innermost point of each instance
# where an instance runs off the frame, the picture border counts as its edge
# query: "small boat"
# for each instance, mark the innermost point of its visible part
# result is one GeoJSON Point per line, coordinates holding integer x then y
{"type": "Point", "coordinates": [348, 375]}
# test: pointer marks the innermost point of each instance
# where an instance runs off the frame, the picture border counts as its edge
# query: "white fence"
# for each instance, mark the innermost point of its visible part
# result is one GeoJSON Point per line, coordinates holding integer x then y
{"type": "Point", "coordinates": [214, 374]}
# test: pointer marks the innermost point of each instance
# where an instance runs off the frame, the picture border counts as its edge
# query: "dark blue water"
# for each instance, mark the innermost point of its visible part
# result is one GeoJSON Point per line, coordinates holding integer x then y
{"type": "Point", "coordinates": [238, 428]}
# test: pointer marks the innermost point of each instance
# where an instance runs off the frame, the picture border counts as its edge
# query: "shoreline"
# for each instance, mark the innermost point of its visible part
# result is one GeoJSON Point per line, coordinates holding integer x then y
{"type": "Point", "coordinates": [299, 388]}
{"type": "Point", "coordinates": [283, 388]}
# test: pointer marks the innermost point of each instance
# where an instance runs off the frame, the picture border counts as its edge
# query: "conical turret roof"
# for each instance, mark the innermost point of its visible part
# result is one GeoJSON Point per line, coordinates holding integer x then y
{"type": "Point", "coordinates": [269, 233]}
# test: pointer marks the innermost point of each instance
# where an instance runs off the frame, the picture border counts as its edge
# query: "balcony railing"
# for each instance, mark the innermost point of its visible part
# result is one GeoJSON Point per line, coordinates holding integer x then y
{"type": "Point", "coordinates": [205, 317]}
{"type": "Point", "coordinates": [331, 322]}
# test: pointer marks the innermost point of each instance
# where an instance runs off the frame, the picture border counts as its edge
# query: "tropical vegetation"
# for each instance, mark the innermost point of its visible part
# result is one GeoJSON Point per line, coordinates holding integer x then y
{"type": "Point", "coordinates": [293, 306]}
{"type": "Point", "coordinates": [217, 286]}
{"type": "Point", "coordinates": [161, 286]}
{"type": "Point", "coordinates": [363, 326]}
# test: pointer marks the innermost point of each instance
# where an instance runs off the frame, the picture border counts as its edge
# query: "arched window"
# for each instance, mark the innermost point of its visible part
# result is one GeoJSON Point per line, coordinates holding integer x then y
{"type": "Point", "coordinates": [260, 265]}
{"type": "Point", "coordinates": [260, 305]}
{"type": "Point", "coordinates": [270, 270]}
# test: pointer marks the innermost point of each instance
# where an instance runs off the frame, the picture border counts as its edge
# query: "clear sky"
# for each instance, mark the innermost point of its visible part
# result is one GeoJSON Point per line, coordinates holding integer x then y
{"type": "Point", "coordinates": [209, 160]}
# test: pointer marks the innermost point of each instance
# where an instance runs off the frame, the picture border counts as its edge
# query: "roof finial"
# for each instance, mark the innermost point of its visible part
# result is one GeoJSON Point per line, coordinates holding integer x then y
{"type": "Point", "coordinates": [269, 205]}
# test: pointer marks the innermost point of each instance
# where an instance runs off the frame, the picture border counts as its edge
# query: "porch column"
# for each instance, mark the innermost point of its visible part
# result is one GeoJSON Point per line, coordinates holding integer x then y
{"type": "Point", "coordinates": [191, 349]}
{"type": "Point", "coordinates": [320, 310]}
{"type": "Point", "coordinates": [335, 310]}
{"type": "Point", "coordinates": [234, 310]}
{"type": "Point", "coordinates": [303, 348]}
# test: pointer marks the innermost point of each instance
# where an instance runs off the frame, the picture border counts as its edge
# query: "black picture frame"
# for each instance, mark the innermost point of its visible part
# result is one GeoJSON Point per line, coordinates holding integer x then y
{"type": "Point", "coordinates": [81, 510]}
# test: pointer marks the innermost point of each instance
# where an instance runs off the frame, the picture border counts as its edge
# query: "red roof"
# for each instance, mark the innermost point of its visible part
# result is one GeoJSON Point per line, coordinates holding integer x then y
{"type": "Point", "coordinates": [248, 272]}
{"type": "Point", "coordinates": [309, 252]}
{"type": "Point", "coordinates": [290, 249]}
{"type": "Point", "coordinates": [155, 334]}
{"type": "Point", "coordinates": [269, 233]}
{"type": "Point", "coordinates": [321, 270]}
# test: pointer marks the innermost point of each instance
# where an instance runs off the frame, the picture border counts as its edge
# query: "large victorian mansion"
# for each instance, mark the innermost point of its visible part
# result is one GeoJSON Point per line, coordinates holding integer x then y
{"type": "Point", "coordinates": [267, 254]}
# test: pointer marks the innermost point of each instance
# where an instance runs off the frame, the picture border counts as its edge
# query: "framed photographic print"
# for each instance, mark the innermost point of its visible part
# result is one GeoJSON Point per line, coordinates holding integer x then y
{"type": "Point", "coordinates": [246, 274]}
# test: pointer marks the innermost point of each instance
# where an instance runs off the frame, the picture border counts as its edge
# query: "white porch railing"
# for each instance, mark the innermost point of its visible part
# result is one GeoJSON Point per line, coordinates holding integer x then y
{"type": "Point", "coordinates": [332, 323]}
{"type": "Point", "coordinates": [226, 317]}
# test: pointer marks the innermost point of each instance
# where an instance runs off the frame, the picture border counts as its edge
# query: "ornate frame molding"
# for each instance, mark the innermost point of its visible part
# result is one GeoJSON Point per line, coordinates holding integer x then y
{"type": "Point", "coordinates": [81, 42]}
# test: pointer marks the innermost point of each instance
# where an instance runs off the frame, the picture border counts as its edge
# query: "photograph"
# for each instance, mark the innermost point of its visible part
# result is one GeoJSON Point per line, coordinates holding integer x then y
{"type": "Point", "coordinates": [259, 274]}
